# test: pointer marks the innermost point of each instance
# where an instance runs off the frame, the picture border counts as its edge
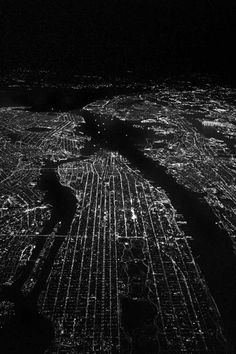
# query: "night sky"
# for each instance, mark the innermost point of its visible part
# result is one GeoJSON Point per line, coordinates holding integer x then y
{"type": "Point", "coordinates": [115, 36]}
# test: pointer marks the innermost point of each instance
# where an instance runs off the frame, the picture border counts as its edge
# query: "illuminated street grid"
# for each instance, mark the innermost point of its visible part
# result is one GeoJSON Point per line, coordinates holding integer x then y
{"type": "Point", "coordinates": [116, 209]}
{"type": "Point", "coordinates": [122, 223]}
{"type": "Point", "coordinates": [194, 137]}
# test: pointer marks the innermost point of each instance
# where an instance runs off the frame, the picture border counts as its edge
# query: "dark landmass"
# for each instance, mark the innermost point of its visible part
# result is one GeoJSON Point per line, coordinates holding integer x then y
{"type": "Point", "coordinates": [57, 99]}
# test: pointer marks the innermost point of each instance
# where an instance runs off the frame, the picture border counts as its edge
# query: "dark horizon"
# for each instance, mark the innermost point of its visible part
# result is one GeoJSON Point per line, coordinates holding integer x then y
{"type": "Point", "coordinates": [148, 38]}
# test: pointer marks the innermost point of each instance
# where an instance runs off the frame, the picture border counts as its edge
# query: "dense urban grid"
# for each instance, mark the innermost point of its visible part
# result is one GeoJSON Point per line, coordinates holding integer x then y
{"type": "Point", "coordinates": [193, 136]}
{"type": "Point", "coordinates": [120, 276]}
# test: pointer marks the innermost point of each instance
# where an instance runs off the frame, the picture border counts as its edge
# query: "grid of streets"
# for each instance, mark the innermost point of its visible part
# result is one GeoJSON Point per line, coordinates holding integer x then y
{"type": "Point", "coordinates": [126, 248]}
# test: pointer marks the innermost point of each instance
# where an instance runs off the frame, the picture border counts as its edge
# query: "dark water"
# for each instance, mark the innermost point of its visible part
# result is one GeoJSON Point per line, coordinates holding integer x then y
{"type": "Point", "coordinates": [28, 331]}
{"type": "Point", "coordinates": [210, 242]}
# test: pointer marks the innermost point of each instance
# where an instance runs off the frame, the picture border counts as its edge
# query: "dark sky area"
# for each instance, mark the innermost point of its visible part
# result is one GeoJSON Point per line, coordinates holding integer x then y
{"type": "Point", "coordinates": [149, 36]}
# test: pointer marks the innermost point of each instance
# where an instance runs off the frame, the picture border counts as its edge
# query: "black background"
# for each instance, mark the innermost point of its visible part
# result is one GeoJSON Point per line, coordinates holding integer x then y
{"type": "Point", "coordinates": [113, 36]}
